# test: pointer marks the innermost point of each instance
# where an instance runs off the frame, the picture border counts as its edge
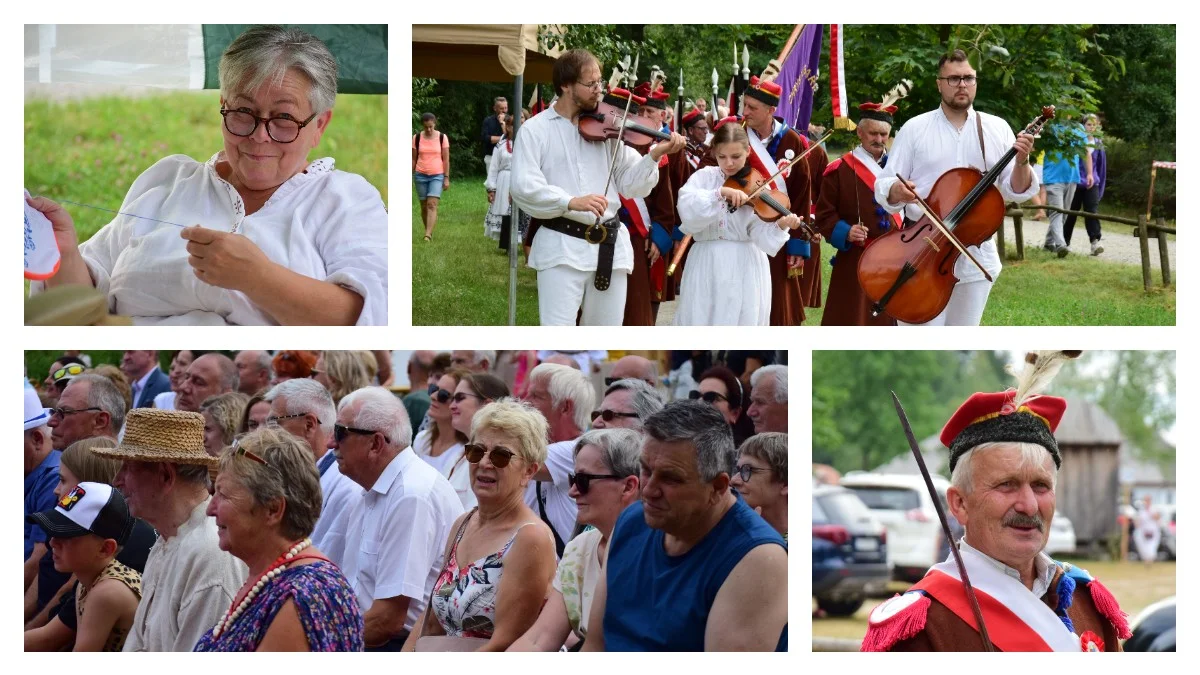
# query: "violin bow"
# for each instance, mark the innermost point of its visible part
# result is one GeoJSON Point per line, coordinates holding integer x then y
{"type": "Point", "coordinates": [790, 164]}
{"type": "Point", "coordinates": [630, 77]}
{"type": "Point", "coordinates": [937, 505]}
{"type": "Point", "coordinates": [937, 222]}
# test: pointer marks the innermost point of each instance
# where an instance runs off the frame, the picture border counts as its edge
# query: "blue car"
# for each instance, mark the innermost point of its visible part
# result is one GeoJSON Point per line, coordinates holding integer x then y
{"type": "Point", "coordinates": [849, 551]}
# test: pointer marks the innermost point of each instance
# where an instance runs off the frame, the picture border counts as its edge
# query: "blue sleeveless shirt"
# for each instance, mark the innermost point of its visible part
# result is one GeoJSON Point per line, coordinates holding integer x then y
{"type": "Point", "coordinates": [658, 602]}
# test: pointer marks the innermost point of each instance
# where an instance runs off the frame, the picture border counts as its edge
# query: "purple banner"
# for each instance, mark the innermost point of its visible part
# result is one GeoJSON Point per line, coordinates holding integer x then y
{"type": "Point", "coordinates": [798, 77]}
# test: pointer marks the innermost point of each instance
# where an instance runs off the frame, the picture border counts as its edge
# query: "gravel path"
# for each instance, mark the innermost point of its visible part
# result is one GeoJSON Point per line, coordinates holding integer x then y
{"type": "Point", "coordinates": [1120, 247]}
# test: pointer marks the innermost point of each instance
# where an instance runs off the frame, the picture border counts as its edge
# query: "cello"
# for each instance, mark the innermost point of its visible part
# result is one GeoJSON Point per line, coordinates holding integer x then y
{"type": "Point", "coordinates": [909, 273]}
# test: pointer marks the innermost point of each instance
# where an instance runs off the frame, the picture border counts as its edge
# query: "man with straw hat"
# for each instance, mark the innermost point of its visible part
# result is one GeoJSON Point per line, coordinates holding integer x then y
{"type": "Point", "coordinates": [189, 581]}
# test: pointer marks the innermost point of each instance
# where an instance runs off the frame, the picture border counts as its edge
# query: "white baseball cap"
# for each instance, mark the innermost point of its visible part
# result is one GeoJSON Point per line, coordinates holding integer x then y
{"type": "Point", "coordinates": [89, 508]}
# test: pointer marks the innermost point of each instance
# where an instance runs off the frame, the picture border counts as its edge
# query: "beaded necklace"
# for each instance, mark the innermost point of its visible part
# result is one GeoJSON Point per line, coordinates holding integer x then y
{"type": "Point", "coordinates": [274, 570]}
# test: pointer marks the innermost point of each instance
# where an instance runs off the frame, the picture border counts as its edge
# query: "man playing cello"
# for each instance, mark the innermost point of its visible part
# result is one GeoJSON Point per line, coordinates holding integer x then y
{"type": "Point", "coordinates": [956, 135]}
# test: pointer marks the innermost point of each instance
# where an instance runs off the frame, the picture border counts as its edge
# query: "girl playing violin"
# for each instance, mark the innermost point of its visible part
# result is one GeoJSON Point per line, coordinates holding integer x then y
{"type": "Point", "coordinates": [727, 280]}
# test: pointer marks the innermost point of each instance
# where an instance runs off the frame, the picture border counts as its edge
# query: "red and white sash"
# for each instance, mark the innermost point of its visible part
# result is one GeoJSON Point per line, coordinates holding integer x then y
{"type": "Point", "coordinates": [867, 170]}
{"type": "Point", "coordinates": [639, 215]}
{"type": "Point", "coordinates": [763, 162]}
{"type": "Point", "coordinates": [1017, 620]}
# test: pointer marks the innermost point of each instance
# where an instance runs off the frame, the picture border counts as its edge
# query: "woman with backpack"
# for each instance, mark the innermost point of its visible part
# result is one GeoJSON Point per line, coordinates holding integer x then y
{"type": "Point", "coordinates": [431, 170]}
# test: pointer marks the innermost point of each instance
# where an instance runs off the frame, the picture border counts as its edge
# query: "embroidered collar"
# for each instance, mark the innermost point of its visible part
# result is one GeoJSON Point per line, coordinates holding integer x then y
{"type": "Point", "coordinates": [314, 168]}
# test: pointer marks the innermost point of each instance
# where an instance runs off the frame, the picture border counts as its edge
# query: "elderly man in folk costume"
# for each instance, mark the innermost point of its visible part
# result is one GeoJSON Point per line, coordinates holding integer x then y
{"type": "Point", "coordinates": [849, 217]}
{"type": "Point", "coordinates": [796, 276]}
{"type": "Point", "coordinates": [1004, 463]}
{"type": "Point", "coordinates": [558, 177]}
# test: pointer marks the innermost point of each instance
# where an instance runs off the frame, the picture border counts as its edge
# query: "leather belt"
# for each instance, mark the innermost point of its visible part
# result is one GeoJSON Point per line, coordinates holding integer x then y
{"type": "Point", "coordinates": [604, 235]}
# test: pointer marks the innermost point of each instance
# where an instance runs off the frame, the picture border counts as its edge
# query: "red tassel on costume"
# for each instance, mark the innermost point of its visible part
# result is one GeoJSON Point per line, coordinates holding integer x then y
{"type": "Point", "coordinates": [905, 624]}
{"type": "Point", "coordinates": [1106, 604]}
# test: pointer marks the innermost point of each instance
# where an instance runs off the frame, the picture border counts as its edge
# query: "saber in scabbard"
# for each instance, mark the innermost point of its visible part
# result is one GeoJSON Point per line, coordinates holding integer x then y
{"type": "Point", "coordinates": [937, 504]}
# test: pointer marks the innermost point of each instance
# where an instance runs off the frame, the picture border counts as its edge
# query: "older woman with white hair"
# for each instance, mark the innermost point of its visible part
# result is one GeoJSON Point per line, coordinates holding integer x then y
{"type": "Point", "coordinates": [499, 563]}
{"type": "Point", "coordinates": [267, 236]}
{"type": "Point", "coordinates": [605, 481]}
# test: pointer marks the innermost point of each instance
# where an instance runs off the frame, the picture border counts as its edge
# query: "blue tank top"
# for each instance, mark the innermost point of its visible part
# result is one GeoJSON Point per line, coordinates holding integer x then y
{"type": "Point", "coordinates": [658, 602]}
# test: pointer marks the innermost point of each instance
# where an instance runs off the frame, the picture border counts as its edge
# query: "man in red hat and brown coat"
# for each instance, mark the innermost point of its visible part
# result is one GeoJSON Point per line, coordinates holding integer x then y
{"type": "Point", "coordinates": [1004, 465]}
{"type": "Point", "coordinates": [849, 218]}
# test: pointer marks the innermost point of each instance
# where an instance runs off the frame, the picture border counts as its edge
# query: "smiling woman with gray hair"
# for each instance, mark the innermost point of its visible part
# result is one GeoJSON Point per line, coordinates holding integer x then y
{"type": "Point", "coordinates": [267, 237]}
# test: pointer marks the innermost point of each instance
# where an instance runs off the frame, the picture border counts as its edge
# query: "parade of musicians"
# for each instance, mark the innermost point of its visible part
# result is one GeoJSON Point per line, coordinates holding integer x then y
{"type": "Point", "coordinates": [639, 194]}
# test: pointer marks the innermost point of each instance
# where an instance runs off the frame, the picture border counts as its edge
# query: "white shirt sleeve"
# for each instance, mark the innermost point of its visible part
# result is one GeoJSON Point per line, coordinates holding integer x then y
{"type": "Point", "coordinates": [767, 236]}
{"type": "Point", "coordinates": [530, 190]}
{"type": "Point", "coordinates": [635, 175]}
{"type": "Point", "coordinates": [353, 243]}
{"type": "Point", "coordinates": [409, 534]}
{"type": "Point", "coordinates": [700, 204]}
{"type": "Point", "coordinates": [560, 461]}
{"type": "Point", "coordinates": [899, 163]}
{"type": "Point", "coordinates": [1004, 184]}
{"type": "Point", "coordinates": [493, 170]}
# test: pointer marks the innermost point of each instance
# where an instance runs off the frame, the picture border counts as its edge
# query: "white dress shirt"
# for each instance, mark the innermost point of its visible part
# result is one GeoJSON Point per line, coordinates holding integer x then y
{"type": "Point", "coordinates": [553, 164]}
{"type": "Point", "coordinates": [339, 494]}
{"type": "Point", "coordinates": [397, 534]}
{"type": "Point", "coordinates": [324, 224]}
{"type": "Point", "coordinates": [929, 145]}
{"type": "Point", "coordinates": [560, 508]}
{"type": "Point", "coordinates": [1043, 567]}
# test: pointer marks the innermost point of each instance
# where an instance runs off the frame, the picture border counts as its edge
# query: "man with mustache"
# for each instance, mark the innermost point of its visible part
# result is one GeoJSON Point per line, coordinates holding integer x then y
{"type": "Point", "coordinates": [1004, 465]}
{"type": "Point", "coordinates": [849, 218]}
{"type": "Point", "coordinates": [951, 136]}
{"type": "Point", "coordinates": [559, 178]}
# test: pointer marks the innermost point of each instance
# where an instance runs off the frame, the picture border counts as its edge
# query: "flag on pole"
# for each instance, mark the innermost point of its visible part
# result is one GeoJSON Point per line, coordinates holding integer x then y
{"type": "Point", "coordinates": [798, 77]}
{"type": "Point", "coordinates": [837, 80]}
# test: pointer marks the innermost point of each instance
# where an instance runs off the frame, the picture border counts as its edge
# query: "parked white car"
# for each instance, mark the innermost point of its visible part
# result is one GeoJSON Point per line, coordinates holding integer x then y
{"type": "Point", "coordinates": [1062, 536]}
{"type": "Point", "coordinates": [902, 504]}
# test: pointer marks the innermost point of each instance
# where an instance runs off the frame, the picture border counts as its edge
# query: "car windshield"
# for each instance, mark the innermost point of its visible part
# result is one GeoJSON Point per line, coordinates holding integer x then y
{"type": "Point", "coordinates": [843, 508]}
{"type": "Point", "coordinates": [887, 498]}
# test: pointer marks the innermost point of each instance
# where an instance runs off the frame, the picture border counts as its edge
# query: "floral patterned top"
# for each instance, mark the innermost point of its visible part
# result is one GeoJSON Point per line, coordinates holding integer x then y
{"type": "Point", "coordinates": [326, 604]}
{"type": "Point", "coordinates": [576, 578]}
{"type": "Point", "coordinates": [464, 599]}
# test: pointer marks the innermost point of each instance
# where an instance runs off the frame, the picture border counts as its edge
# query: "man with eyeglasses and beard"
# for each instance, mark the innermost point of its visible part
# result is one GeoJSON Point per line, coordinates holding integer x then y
{"type": "Point", "coordinates": [690, 567]}
{"type": "Point", "coordinates": [558, 177]}
{"type": "Point", "coordinates": [956, 135]}
{"type": "Point", "coordinates": [398, 527]}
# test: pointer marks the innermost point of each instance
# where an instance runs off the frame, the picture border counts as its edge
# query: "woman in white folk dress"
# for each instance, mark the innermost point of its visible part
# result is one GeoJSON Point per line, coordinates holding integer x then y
{"type": "Point", "coordinates": [499, 178]}
{"type": "Point", "coordinates": [727, 281]}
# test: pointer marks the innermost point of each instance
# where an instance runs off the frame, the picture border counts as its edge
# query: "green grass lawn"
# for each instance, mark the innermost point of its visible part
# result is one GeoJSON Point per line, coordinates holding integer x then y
{"type": "Point", "coordinates": [1134, 587]}
{"type": "Point", "coordinates": [92, 150]}
{"type": "Point", "coordinates": [461, 278]}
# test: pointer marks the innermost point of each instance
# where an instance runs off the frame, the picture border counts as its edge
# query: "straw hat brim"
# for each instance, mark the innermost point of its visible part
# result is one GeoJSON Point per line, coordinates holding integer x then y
{"type": "Point", "coordinates": [145, 453]}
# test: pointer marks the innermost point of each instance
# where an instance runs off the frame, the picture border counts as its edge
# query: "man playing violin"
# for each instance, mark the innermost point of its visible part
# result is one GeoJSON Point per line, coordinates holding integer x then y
{"type": "Point", "coordinates": [951, 136]}
{"type": "Point", "coordinates": [849, 218]}
{"type": "Point", "coordinates": [773, 142]}
{"type": "Point", "coordinates": [581, 253]}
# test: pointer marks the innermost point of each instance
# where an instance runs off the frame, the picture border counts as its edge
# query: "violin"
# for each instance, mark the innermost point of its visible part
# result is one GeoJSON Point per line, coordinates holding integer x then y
{"type": "Point", "coordinates": [909, 273]}
{"type": "Point", "coordinates": [605, 123]}
{"type": "Point", "coordinates": [769, 205]}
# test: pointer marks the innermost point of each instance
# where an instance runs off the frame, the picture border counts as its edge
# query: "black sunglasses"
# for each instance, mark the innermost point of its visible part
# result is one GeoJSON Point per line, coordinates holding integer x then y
{"type": "Point", "coordinates": [438, 394]}
{"type": "Point", "coordinates": [709, 397]}
{"type": "Point", "coordinates": [500, 457]}
{"type": "Point", "coordinates": [340, 431]}
{"type": "Point", "coordinates": [582, 481]}
{"type": "Point", "coordinates": [610, 415]}
{"type": "Point", "coordinates": [745, 471]}
{"type": "Point", "coordinates": [462, 396]}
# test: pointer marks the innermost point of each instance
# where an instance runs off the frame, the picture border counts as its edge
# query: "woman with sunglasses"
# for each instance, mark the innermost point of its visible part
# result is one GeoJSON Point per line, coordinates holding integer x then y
{"type": "Point", "coordinates": [440, 444]}
{"type": "Point", "coordinates": [267, 500]}
{"type": "Point", "coordinates": [474, 391]}
{"type": "Point", "coordinates": [256, 235]}
{"type": "Point", "coordinates": [499, 561]}
{"type": "Point", "coordinates": [720, 388]}
{"type": "Point", "coordinates": [604, 483]}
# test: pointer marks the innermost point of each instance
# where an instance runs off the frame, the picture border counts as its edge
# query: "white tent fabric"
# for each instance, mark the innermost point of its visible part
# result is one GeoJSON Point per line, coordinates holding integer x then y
{"type": "Point", "coordinates": [149, 55]}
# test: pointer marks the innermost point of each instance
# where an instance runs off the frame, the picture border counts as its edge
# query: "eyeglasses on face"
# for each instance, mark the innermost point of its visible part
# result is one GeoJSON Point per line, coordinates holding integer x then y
{"type": "Point", "coordinates": [63, 412]}
{"type": "Point", "coordinates": [70, 370]}
{"type": "Point", "coordinates": [745, 471]}
{"type": "Point", "coordinates": [244, 123]}
{"type": "Point", "coordinates": [598, 84]}
{"type": "Point", "coordinates": [610, 415]}
{"type": "Point", "coordinates": [461, 396]}
{"type": "Point", "coordinates": [340, 431]}
{"type": "Point", "coordinates": [440, 395]}
{"type": "Point", "coordinates": [498, 456]}
{"type": "Point", "coordinates": [708, 397]}
{"type": "Point", "coordinates": [273, 421]}
{"type": "Point", "coordinates": [583, 481]}
{"type": "Point", "coordinates": [959, 80]}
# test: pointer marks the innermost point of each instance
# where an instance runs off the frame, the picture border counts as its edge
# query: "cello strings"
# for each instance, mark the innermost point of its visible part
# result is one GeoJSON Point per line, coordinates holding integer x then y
{"type": "Point", "coordinates": [120, 213]}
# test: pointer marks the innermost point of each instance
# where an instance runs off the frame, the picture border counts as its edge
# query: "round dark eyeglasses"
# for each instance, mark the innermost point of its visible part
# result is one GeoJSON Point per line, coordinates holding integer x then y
{"type": "Point", "coordinates": [499, 457]}
{"type": "Point", "coordinates": [610, 415]}
{"type": "Point", "coordinates": [709, 397]}
{"type": "Point", "coordinates": [281, 129]}
{"type": "Point", "coordinates": [582, 481]}
{"type": "Point", "coordinates": [745, 471]}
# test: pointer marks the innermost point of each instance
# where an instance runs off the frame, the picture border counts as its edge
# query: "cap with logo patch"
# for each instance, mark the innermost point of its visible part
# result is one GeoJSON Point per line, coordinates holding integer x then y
{"type": "Point", "coordinates": [89, 508]}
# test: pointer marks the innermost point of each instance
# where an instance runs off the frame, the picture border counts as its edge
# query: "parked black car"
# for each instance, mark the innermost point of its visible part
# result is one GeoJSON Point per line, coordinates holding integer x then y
{"type": "Point", "coordinates": [849, 551]}
{"type": "Point", "coordinates": [1153, 628]}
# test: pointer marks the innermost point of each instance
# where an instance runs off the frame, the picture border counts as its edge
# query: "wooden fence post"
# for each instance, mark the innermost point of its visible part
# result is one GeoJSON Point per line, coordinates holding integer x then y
{"type": "Point", "coordinates": [1163, 251]}
{"type": "Point", "coordinates": [1000, 246]}
{"type": "Point", "coordinates": [1019, 231]}
{"type": "Point", "coordinates": [1142, 228]}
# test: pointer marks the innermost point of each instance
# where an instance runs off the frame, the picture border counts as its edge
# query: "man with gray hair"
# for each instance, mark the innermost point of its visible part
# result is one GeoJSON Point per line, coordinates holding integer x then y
{"type": "Point", "coordinates": [565, 397]}
{"type": "Point", "coordinates": [633, 366]}
{"type": "Point", "coordinates": [398, 528]}
{"type": "Point", "coordinates": [208, 375]}
{"type": "Point", "coordinates": [690, 567]}
{"type": "Point", "coordinates": [474, 361]}
{"type": "Point", "coordinates": [626, 405]}
{"type": "Point", "coordinates": [90, 406]}
{"type": "Point", "coordinates": [493, 129]}
{"type": "Point", "coordinates": [254, 370]}
{"type": "Point", "coordinates": [768, 399]}
{"type": "Point", "coordinates": [304, 408]}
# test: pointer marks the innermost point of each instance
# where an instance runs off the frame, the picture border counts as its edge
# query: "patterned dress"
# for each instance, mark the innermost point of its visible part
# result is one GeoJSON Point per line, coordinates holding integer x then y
{"type": "Point", "coordinates": [324, 600]}
{"type": "Point", "coordinates": [128, 576]}
{"type": "Point", "coordinates": [464, 600]}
